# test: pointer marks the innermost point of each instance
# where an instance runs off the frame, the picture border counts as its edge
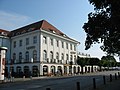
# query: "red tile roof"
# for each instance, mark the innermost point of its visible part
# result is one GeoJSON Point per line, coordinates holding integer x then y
{"type": "Point", "coordinates": [43, 24]}
{"type": "Point", "coordinates": [1, 30]}
{"type": "Point", "coordinates": [36, 26]}
{"type": "Point", "coordinates": [4, 32]}
{"type": "Point", "coordinates": [47, 26]}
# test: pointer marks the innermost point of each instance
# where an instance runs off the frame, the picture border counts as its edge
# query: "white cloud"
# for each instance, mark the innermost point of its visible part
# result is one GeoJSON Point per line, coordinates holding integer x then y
{"type": "Point", "coordinates": [11, 21]}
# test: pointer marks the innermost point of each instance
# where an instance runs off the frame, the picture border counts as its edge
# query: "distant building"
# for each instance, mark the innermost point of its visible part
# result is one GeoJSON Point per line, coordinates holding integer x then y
{"type": "Point", "coordinates": [84, 55]}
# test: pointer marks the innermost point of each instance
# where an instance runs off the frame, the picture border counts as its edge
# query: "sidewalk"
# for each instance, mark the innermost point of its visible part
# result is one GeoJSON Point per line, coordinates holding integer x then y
{"type": "Point", "coordinates": [114, 85]}
{"type": "Point", "coordinates": [32, 78]}
{"type": "Point", "coordinates": [21, 79]}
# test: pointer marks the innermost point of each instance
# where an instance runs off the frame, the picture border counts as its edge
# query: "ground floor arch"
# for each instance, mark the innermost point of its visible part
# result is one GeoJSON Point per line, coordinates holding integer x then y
{"type": "Point", "coordinates": [27, 72]}
{"type": "Point", "coordinates": [45, 70]}
{"type": "Point", "coordinates": [53, 68]}
{"type": "Point", "coordinates": [74, 69]}
{"type": "Point", "coordinates": [65, 70]}
{"type": "Point", "coordinates": [60, 71]}
{"type": "Point", "coordinates": [35, 71]}
{"type": "Point", "coordinates": [78, 68]}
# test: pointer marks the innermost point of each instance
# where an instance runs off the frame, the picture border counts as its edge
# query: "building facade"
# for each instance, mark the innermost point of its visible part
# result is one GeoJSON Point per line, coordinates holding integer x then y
{"type": "Point", "coordinates": [41, 49]}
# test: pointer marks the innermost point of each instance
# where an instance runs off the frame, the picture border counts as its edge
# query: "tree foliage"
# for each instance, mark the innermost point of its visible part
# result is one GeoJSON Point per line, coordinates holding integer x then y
{"type": "Point", "coordinates": [94, 61]}
{"type": "Point", "coordinates": [103, 26]}
{"type": "Point", "coordinates": [82, 62]}
{"type": "Point", "coordinates": [108, 61]}
{"type": "Point", "coordinates": [87, 61]}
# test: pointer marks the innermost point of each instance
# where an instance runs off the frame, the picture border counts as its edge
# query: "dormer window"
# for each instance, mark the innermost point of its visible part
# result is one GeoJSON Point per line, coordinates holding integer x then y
{"type": "Point", "coordinates": [4, 33]}
{"type": "Point", "coordinates": [64, 35]}
{"type": "Point", "coordinates": [54, 32]}
{"type": "Point", "coordinates": [18, 33]}
{"type": "Point", "coordinates": [23, 31]}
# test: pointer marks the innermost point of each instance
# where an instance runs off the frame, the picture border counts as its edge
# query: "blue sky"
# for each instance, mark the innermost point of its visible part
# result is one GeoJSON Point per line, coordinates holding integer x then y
{"type": "Point", "coordinates": [66, 15]}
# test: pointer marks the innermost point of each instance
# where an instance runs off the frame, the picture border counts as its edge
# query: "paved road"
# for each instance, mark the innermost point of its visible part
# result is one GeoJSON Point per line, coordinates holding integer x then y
{"type": "Point", "coordinates": [59, 83]}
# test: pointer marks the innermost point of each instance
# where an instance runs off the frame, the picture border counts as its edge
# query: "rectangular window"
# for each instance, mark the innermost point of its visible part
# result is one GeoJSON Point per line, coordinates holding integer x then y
{"type": "Point", "coordinates": [62, 44]}
{"type": "Point", "coordinates": [51, 41]}
{"type": "Point", "coordinates": [44, 40]}
{"type": "Point", "coordinates": [20, 43]}
{"type": "Point", "coordinates": [35, 39]}
{"type": "Point", "coordinates": [57, 43]}
{"type": "Point", "coordinates": [74, 48]}
{"type": "Point", "coordinates": [66, 45]}
{"type": "Point", "coordinates": [27, 41]}
{"type": "Point", "coordinates": [14, 44]}
{"type": "Point", "coordinates": [71, 46]}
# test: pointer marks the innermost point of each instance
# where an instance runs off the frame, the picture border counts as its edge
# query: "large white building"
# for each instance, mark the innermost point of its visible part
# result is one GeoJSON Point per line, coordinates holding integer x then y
{"type": "Point", "coordinates": [41, 49]}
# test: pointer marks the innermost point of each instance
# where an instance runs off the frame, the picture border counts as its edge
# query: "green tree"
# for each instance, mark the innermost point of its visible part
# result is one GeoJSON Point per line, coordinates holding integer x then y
{"type": "Point", "coordinates": [118, 64]}
{"type": "Point", "coordinates": [103, 26]}
{"type": "Point", "coordinates": [93, 61]}
{"type": "Point", "coordinates": [82, 62]}
{"type": "Point", "coordinates": [108, 61]}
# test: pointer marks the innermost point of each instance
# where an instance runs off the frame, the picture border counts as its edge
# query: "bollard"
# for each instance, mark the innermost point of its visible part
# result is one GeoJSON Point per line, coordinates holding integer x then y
{"type": "Point", "coordinates": [30, 77]}
{"type": "Point", "coordinates": [78, 85]}
{"type": "Point", "coordinates": [94, 83]}
{"type": "Point", "coordinates": [48, 89]}
{"type": "Point", "coordinates": [115, 76]}
{"type": "Point", "coordinates": [110, 77]}
{"type": "Point", "coordinates": [104, 80]}
{"type": "Point", "coordinates": [12, 79]}
{"type": "Point", "coordinates": [5, 79]}
{"type": "Point", "coordinates": [118, 75]}
{"type": "Point", "coordinates": [24, 78]}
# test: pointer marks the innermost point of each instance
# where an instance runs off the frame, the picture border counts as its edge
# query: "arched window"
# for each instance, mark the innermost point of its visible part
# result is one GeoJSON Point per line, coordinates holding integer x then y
{"type": "Point", "coordinates": [44, 56]}
{"type": "Point", "coordinates": [20, 57]}
{"type": "Point", "coordinates": [27, 56]}
{"type": "Point", "coordinates": [34, 56]}
{"type": "Point", "coordinates": [57, 56]}
{"type": "Point", "coordinates": [67, 58]}
{"type": "Point", "coordinates": [51, 56]}
{"type": "Point", "coordinates": [44, 40]}
{"type": "Point", "coordinates": [71, 58]}
{"type": "Point", "coordinates": [62, 56]}
{"type": "Point", "coordinates": [75, 59]}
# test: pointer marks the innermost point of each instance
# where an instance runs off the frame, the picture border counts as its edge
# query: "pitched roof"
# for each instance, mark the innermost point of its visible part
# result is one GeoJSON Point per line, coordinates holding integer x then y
{"type": "Point", "coordinates": [43, 24]}
{"type": "Point", "coordinates": [1, 30]}
{"type": "Point", "coordinates": [36, 26]}
{"type": "Point", "coordinates": [4, 32]}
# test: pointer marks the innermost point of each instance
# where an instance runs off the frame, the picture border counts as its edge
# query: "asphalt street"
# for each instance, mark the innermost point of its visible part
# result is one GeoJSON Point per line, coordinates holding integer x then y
{"type": "Point", "coordinates": [58, 83]}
